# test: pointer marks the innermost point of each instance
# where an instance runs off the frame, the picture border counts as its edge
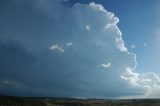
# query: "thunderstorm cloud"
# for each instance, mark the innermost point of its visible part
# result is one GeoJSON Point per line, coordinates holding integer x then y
{"type": "Point", "coordinates": [49, 48]}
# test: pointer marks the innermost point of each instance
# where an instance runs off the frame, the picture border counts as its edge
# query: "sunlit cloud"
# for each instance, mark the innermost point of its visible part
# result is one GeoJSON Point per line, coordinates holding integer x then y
{"type": "Point", "coordinates": [149, 81]}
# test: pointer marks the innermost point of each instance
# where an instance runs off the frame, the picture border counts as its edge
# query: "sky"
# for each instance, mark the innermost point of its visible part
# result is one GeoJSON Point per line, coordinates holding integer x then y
{"type": "Point", "coordinates": [80, 48]}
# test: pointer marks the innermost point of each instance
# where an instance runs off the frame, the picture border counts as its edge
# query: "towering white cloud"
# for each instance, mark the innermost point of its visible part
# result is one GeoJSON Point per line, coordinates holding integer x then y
{"type": "Point", "coordinates": [96, 38]}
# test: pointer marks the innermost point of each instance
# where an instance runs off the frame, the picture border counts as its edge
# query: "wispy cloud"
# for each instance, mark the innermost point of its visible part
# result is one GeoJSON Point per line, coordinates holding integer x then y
{"type": "Point", "coordinates": [2, 82]}
{"type": "Point", "coordinates": [57, 47]}
{"type": "Point", "coordinates": [133, 46]}
{"type": "Point", "coordinates": [105, 65]}
{"type": "Point", "coordinates": [69, 44]}
{"type": "Point", "coordinates": [87, 27]}
{"type": "Point", "coordinates": [12, 84]}
{"type": "Point", "coordinates": [145, 44]}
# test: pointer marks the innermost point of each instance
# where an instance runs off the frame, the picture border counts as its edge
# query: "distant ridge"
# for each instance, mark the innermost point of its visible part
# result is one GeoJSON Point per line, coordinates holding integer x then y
{"type": "Point", "coordinates": [6, 100]}
{"type": "Point", "coordinates": [1, 94]}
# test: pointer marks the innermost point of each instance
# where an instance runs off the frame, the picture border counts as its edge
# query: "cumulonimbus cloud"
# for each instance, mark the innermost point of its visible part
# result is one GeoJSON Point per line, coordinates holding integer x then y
{"type": "Point", "coordinates": [96, 38]}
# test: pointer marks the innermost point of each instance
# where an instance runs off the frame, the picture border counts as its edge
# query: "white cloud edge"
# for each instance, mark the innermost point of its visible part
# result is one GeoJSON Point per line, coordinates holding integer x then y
{"type": "Point", "coordinates": [149, 81]}
{"type": "Point", "coordinates": [120, 42]}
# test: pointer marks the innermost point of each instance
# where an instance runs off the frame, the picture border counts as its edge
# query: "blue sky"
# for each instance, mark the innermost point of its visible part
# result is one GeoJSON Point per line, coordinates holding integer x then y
{"type": "Point", "coordinates": [80, 48]}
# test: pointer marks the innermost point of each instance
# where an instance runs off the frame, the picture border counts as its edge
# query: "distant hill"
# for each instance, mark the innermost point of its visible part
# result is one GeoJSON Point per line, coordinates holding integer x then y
{"type": "Point", "coordinates": [1, 94]}
{"type": "Point", "coordinates": [49, 101]}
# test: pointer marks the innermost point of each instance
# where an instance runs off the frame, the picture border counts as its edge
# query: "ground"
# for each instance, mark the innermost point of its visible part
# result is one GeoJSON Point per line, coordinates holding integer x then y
{"type": "Point", "coordinates": [45, 101]}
